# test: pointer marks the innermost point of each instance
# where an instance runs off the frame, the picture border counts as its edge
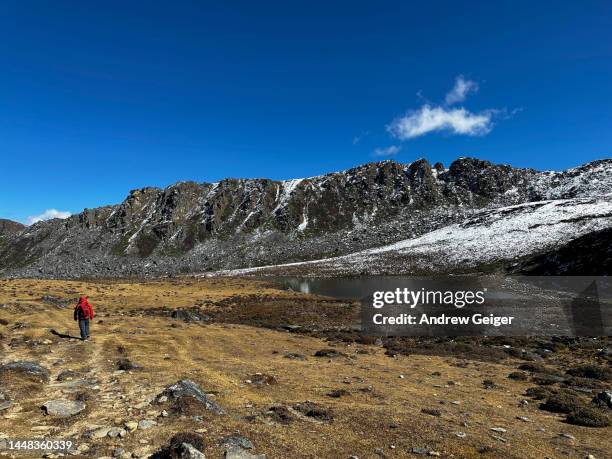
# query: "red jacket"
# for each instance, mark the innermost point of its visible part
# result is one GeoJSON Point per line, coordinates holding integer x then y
{"type": "Point", "coordinates": [83, 310]}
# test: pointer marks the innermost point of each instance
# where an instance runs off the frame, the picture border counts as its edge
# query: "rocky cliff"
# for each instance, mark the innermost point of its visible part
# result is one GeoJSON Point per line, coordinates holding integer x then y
{"type": "Point", "coordinates": [236, 223]}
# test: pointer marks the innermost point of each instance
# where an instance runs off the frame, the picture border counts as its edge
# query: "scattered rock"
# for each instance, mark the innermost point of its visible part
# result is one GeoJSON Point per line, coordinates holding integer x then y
{"type": "Point", "coordinates": [146, 424]}
{"type": "Point", "coordinates": [185, 393]}
{"type": "Point", "coordinates": [420, 451]}
{"type": "Point", "coordinates": [131, 426]}
{"type": "Point", "coordinates": [237, 441]}
{"type": "Point", "coordinates": [115, 432]}
{"type": "Point", "coordinates": [567, 436]}
{"type": "Point", "coordinates": [32, 370]}
{"type": "Point", "coordinates": [63, 408]}
{"type": "Point", "coordinates": [97, 432]}
{"type": "Point", "coordinates": [183, 445]}
{"type": "Point", "coordinates": [498, 429]}
{"type": "Point", "coordinates": [241, 453]}
{"type": "Point", "coordinates": [188, 451]}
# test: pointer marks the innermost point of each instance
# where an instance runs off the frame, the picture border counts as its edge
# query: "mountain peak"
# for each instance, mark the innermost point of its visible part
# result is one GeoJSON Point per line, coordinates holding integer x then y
{"type": "Point", "coordinates": [191, 226]}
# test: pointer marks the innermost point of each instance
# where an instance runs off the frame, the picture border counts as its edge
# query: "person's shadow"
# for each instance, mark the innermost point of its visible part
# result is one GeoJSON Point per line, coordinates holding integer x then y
{"type": "Point", "coordinates": [63, 335]}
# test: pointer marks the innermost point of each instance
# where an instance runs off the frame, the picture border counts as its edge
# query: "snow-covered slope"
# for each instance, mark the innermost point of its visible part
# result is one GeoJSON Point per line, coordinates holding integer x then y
{"type": "Point", "coordinates": [236, 223]}
{"type": "Point", "coordinates": [488, 240]}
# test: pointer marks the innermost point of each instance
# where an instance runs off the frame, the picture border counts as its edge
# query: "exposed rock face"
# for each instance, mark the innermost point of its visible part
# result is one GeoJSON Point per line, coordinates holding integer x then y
{"type": "Point", "coordinates": [194, 227]}
{"type": "Point", "coordinates": [9, 227]}
{"type": "Point", "coordinates": [548, 234]}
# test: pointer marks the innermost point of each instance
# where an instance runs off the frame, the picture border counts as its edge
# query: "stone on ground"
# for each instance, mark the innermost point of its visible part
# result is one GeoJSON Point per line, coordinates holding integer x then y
{"type": "Point", "coordinates": [63, 408]}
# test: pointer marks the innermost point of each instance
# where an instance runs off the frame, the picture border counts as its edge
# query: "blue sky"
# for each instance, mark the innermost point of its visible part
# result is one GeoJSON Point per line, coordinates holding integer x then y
{"type": "Point", "coordinates": [97, 98]}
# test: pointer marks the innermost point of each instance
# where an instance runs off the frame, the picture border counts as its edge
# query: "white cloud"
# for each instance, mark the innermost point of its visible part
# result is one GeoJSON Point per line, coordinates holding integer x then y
{"type": "Point", "coordinates": [387, 151]}
{"type": "Point", "coordinates": [430, 119]}
{"type": "Point", "coordinates": [461, 89]}
{"type": "Point", "coordinates": [47, 215]}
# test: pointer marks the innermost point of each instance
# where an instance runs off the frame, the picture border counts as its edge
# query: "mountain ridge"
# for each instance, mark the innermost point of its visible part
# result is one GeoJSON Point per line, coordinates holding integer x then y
{"type": "Point", "coordinates": [233, 223]}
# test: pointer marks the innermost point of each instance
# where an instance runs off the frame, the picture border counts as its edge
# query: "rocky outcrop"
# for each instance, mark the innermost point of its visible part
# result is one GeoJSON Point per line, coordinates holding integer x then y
{"type": "Point", "coordinates": [558, 237]}
{"type": "Point", "coordinates": [184, 394]}
{"type": "Point", "coordinates": [195, 227]}
{"type": "Point", "coordinates": [31, 370]}
{"type": "Point", "coordinates": [10, 228]}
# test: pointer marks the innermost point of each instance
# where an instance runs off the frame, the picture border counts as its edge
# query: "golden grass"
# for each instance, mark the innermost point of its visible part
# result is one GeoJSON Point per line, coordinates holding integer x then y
{"type": "Point", "coordinates": [221, 357]}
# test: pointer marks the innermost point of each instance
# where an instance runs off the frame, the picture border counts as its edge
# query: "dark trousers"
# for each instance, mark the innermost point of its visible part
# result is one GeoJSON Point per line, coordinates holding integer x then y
{"type": "Point", "coordinates": [84, 327]}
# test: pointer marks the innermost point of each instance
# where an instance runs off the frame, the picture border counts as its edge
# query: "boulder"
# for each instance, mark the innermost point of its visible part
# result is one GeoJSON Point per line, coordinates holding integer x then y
{"type": "Point", "coordinates": [97, 432]}
{"type": "Point", "coordinates": [131, 426]}
{"type": "Point", "coordinates": [146, 424]}
{"type": "Point", "coordinates": [25, 368]}
{"type": "Point", "coordinates": [63, 408]}
{"type": "Point", "coordinates": [115, 432]}
{"type": "Point", "coordinates": [235, 452]}
{"type": "Point", "coordinates": [186, 390]}
{"type": "Point", "coordinates": [239, 441]}
{"type": "Point", "coordinates": [187, 451]}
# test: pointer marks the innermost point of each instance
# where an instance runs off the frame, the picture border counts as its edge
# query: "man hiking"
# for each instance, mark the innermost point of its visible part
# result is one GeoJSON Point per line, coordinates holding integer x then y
{"type": "Point", "coordinates": [83, 312]}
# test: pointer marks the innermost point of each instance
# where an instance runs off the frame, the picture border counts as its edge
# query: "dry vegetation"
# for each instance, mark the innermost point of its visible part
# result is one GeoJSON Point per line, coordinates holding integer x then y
{"type": "Point", "coordinates": [364, 399]}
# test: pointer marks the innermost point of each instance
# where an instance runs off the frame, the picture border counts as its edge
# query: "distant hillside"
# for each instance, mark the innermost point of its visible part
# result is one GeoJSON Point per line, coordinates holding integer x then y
{"type": "Point", "coordinates": [9, 227]}
{"type": "Point", "coordinates": [238, 223]}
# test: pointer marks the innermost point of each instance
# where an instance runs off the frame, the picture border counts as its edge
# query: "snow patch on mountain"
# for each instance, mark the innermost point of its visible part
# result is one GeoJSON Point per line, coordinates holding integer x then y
{"type": "Point", "coordinates": [491, 236]}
